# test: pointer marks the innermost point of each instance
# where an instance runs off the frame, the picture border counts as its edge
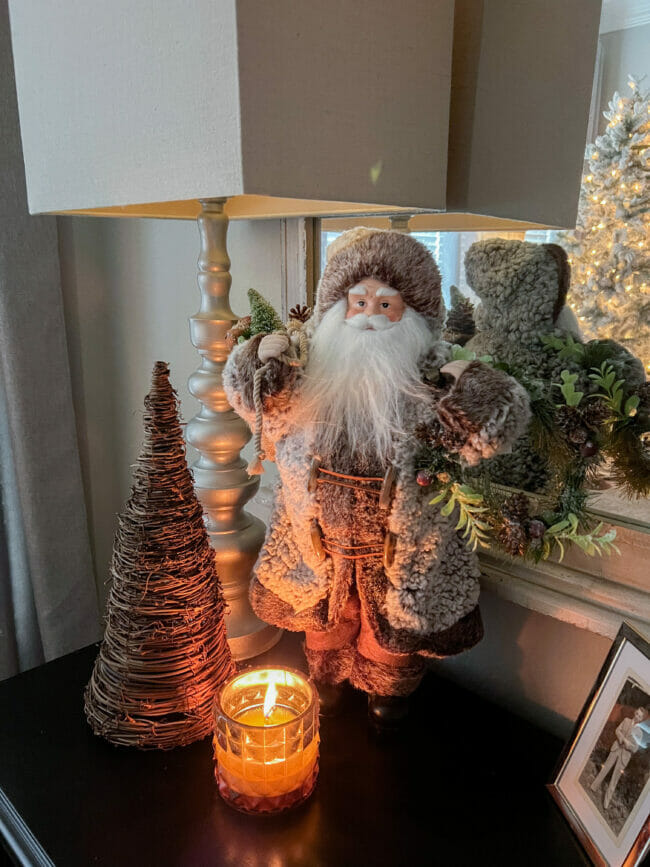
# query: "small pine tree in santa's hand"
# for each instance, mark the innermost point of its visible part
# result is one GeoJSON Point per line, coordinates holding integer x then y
{"type": "Point", "coordinates": [609, 251]}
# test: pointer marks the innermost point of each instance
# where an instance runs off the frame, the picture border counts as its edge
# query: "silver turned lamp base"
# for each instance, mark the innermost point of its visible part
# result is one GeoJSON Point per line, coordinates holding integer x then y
{"type": "Point", "coordinates": [220, 479]}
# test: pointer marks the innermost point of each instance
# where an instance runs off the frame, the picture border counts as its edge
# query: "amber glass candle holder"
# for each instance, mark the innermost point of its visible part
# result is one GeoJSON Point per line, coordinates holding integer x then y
{"type": "Point", "coordinates": [266, 740]}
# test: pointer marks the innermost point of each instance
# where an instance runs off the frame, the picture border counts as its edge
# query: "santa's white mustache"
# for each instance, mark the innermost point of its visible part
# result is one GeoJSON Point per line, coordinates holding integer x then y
{"type": "Point", "coordinates": [378, 321]}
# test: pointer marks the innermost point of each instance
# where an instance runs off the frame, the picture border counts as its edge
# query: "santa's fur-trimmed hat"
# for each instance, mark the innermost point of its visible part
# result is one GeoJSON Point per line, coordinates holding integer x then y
{"type": "Point", "coordinates": [395, 258]}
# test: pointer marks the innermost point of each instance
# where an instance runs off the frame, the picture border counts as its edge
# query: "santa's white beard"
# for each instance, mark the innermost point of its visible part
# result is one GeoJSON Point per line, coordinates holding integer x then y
{"type": "Point", "coordinates": [358, 382]}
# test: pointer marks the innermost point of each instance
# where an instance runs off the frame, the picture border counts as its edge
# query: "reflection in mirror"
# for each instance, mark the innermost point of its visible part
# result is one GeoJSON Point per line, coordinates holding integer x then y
{"type": "Point", "coordinates": [509, 301]}
{"type": "Point", "coordinates": [607, 250]}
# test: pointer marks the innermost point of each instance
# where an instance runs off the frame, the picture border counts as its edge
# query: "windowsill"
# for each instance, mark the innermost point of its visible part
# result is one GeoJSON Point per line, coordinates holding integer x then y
{"type": "Point", "coordinates": [612, 507]}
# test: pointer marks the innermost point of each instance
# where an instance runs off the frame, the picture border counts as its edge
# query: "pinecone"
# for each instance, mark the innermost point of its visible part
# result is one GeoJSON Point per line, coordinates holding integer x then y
{"type": "Point", "coordinates": [513, 539]}
{"type": "Point", "coordinates": [594, 414]}
{"type": "Point", "coordinates": [460, 327]}
{"type": "Point", "coordinates": [240, 328]}
{"type": "Point", "coordinates": [516, 509]}
{"type": "Point", "coordinates": [452, 441]}
{"type": "Point", "coordinates": [300, 312]}
{"type": "Point", "coordinates": [513, 534]}
{"type": "Point", "coordinates": [437, 436]}
{"type": "Point", "coordinates": [570, 421]}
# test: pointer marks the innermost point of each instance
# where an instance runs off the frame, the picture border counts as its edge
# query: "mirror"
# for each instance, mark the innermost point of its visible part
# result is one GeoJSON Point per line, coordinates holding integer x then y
{"type": "Point", "coordinates": [485, 325]}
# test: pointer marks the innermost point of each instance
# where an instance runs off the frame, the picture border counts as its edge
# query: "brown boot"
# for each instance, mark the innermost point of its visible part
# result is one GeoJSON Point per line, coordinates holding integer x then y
{"type": "Point", "coordinates": [331, 697]}
{"type": "Point", "coordinates": [388, 711]}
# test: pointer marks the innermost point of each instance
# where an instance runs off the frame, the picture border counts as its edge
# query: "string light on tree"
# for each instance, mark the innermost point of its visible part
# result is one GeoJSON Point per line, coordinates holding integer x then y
{"type": "Point", "coordinates": [608, 249]}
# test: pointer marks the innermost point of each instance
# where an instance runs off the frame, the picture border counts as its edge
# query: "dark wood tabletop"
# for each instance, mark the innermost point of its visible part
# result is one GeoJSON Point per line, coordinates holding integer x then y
{"type": "Point", "coordinates": [462, 784]}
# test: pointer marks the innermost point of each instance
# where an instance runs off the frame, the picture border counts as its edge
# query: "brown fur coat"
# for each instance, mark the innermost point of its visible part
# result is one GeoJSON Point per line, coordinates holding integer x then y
{"type": "Point", "coordinates": [427, 600]}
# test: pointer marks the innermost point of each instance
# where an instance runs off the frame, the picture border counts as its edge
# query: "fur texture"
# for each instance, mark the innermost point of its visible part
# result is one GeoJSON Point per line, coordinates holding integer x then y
{"type": "Point", "coordinates": [523, 289]}
{"type": "Point", "coordinates": [337, 666]}
{"type": "Point", "coordinates": [489, 427]}
{"type": "Point", "coordinates": [392, 257]}
{"type": "Point", "coordinates": [383, 679]}
{"type": "Point", "coordinates": [432, 584]}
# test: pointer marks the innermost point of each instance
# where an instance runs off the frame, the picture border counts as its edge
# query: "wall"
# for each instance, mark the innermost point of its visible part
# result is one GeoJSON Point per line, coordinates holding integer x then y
{"type": "Point", "coordinates": [625, 52]}
{"type": "Point", "coordinates": [541, 668]}
{"type": "Point", "coordinates": [129, 287]}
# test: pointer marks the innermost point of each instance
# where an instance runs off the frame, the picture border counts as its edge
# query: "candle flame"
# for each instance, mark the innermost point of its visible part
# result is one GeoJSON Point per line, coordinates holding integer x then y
{"type": "Point", "coordinates": [270, 699]}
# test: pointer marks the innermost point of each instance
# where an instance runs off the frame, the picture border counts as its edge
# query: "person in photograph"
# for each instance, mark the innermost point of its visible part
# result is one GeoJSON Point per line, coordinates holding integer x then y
{"type": "Point", "coordinates": [630, 737]}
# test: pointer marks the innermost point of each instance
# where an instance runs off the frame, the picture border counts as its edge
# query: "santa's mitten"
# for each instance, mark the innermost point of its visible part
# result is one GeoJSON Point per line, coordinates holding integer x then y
{"type": "Point", "coordinates": [486, 411]}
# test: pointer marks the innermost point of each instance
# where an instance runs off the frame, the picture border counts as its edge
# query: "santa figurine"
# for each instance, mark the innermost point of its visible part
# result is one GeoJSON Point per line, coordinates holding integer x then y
{"type": "Point", "coordinates": [355, 556]}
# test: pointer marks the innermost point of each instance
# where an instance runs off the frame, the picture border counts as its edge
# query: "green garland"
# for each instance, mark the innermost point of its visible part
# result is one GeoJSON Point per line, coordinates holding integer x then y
{"type": "Point", "coordinates": [625, 437]}
{"type": "Point", "coordinates": [573, 432]}
{"type": "Point", "coordinates": [470, 510]}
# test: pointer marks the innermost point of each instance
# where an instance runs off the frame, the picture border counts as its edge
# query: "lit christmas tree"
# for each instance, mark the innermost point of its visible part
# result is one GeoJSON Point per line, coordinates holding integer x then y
{"type": "Point", "coordinates": [609, 249]}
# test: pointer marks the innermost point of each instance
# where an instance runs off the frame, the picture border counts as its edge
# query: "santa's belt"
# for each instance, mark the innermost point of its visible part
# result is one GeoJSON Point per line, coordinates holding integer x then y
{"type": "Point", "coordinates": [377, 486]}
{"type": "Point", "coordinates": [323, 546]}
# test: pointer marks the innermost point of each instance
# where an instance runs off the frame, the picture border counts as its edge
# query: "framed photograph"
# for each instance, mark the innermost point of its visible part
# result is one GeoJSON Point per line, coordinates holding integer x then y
{"type": "Point", "coordinates": [603, 781]}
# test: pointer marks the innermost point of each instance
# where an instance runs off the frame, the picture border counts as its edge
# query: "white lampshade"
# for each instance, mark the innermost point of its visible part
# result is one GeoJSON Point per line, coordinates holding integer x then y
{"type": "Point", "coordinates": [292, 107]}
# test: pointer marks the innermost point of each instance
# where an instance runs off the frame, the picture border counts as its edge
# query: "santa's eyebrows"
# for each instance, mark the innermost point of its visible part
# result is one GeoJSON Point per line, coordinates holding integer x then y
{"type": "Point", "coordinates": [382, 292]}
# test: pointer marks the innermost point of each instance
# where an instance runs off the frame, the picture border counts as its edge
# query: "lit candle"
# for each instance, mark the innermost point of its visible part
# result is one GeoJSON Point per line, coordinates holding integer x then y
{"type": "Point", "coordinates": [266, 740]}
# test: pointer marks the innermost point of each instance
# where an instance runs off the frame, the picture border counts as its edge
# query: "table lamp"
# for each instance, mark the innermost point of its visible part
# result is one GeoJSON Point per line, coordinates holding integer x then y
{"type": "Point", "coordinates": [474, 113]}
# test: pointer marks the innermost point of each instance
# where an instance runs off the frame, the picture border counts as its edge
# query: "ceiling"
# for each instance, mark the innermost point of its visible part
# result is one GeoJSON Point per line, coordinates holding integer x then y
{"type": "Point", "coordinates": [621, 14]}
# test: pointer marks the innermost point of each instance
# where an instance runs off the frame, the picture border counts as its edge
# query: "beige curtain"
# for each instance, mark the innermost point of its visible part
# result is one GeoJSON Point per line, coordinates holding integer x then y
{"type": "Point", "coordinates": [48, 602]}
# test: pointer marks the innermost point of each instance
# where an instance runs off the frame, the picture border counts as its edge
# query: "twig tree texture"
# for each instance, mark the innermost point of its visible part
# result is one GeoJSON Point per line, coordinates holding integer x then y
{"type": "Point", "coordinates": [164, 652]}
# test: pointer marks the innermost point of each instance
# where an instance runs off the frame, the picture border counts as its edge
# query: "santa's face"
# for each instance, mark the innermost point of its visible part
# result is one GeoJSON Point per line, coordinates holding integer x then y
{"type": "Point", "coordinates": [373, 305]}
{"type": "Point", "coordinates": [363, 373]}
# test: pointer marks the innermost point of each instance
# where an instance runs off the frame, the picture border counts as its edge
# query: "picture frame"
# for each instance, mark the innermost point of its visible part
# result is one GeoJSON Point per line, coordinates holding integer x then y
{"type": "Point", "coordinates": [602, 781]}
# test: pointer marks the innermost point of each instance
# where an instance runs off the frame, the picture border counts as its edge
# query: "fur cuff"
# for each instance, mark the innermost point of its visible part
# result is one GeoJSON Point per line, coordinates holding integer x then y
{"type": "Point", "coordinates": [275, 611]}
{"type": "Point", "coordinates": [330, 666]}
{"type": "Point", "coordinates": [459, 637]}
{"type": "Point", "coordinates": [486, 409]}
{"type": "Point", "coordinates": [463, 635]}
{"type": "Point", "coordinates": [382, 679]}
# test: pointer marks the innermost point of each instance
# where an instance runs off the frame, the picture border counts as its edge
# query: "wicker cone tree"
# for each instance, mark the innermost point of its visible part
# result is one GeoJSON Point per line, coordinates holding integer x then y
{"type": "Point", "coordinates": [164, 651]}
